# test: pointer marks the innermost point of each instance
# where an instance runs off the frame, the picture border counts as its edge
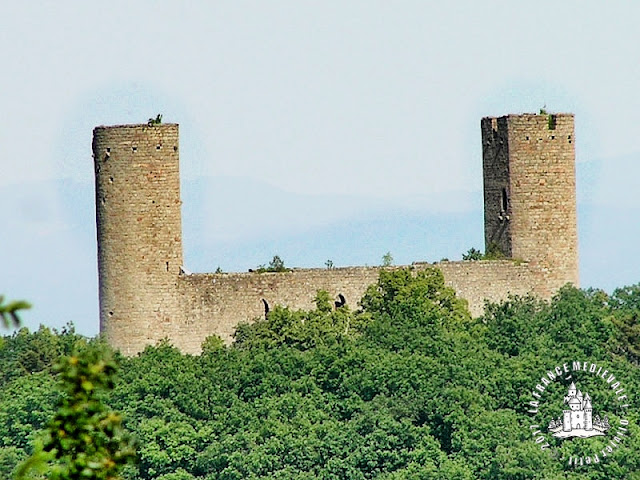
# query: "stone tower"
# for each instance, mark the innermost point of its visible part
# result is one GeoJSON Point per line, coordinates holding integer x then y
{"type": "Point", "coordinates": [529, 192]}
{"type": "Point", "coordinates": [139, 232]}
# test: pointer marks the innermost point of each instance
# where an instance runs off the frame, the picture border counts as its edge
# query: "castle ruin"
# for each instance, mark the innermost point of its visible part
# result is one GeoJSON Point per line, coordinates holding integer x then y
{"type": "Point", "coordinates": [145, 296]}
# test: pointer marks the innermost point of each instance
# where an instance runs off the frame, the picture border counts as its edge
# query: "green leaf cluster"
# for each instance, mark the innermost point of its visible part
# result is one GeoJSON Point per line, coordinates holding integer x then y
{"type": "Point", "coordinates": [407, 386]}
{"type": "Point", "coordinates": [493, 253]}
{"type": "Point", "coordinates": [155, 121]}
{"type": "Point", "coordinates": [275, 265]}
{"type": "Point", "coordinates": [9, 311]}
{"type": "Point", "coordinates": [84, 439]}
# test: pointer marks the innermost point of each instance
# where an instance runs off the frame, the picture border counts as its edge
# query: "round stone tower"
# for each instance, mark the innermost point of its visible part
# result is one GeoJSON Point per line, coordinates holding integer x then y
{"type": "Point", "coordinates": [139, 232]}
{"type": "Point", "coordinates": [530, 193]}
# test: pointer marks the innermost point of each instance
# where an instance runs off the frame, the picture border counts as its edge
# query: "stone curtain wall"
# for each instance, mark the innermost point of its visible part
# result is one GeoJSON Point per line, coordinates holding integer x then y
{"type": "Point", "coordinates": [216, 303]}
{"type": "Point", "coordinates": [213, 304]}
{"type": "Point", "coordinates": [139, 232]}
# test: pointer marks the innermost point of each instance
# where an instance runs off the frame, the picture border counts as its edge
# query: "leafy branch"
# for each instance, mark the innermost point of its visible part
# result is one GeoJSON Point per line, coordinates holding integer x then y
{"type": "Point", "coordinates": [9, 311]}
{"type": "Point", "coordinates": [85, 439]}
{"type": "Point", "coordinates": [275, 265]}
{"type": "Point", "coordinates": [155, 121]}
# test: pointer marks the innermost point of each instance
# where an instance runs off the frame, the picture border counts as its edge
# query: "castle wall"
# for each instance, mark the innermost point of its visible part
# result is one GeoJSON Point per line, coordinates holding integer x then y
{"type": "Point", "coordinates": [530, 214]}
{"type": "Point", "coordinates": [213, 304]}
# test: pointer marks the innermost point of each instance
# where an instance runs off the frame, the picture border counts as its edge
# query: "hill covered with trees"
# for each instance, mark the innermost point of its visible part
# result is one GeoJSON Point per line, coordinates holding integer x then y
{"type": "Point", "coordinates": [407, 387]}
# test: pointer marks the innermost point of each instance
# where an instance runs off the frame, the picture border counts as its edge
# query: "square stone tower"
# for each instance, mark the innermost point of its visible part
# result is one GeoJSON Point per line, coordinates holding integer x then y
{"type": "Point", "coordinates": [530, 192]}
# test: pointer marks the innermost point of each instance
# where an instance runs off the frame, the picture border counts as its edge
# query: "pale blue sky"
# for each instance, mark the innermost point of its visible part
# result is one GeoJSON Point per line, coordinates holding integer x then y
{"type": "Point", "coordinates": [314, 130]}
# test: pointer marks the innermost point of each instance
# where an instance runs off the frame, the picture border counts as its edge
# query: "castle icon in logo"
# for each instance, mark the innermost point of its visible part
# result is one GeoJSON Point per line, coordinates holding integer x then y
{"type": "Point", "coordinates": [578, 419]}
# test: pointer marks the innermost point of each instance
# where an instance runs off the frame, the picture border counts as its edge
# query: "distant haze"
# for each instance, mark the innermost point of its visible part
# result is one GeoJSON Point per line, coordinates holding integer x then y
{"type": "Point", "coordinates": [357, 122]}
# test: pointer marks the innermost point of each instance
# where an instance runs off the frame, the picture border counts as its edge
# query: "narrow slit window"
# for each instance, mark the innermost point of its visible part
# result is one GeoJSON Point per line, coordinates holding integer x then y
{"type": "Point", "coordinates": [504, 201]}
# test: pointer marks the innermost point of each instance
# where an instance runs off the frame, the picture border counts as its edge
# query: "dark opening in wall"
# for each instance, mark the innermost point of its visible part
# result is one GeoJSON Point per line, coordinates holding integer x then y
{"type": "Point", "coordinates": [167, 263]}
{"type": "Point", "coordinates": [158, 147]}
{"type": "Point", "coordinates": [552, 122]}
{"type": "Point", "coordinates": [504, 201]}
{"type": "Point", "coordinates": [134, 149]}
{"type": "Point", "coordinates": [175, 149]}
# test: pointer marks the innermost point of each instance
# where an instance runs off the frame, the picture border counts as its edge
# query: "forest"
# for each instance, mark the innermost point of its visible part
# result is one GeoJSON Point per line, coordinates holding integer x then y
{"type": "Point", "coordinates": [405, 386]}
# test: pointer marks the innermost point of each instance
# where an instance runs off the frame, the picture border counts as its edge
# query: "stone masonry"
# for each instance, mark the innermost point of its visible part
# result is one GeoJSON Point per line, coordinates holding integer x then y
{"type": "Point", "coordinates": [530, 216]}
{"type": "Point", "coordinates": [530, 192]}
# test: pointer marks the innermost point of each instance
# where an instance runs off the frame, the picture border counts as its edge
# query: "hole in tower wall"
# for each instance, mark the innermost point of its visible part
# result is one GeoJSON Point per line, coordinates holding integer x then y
{"type": "Point", "coordinates": [134, 149]}
{"type": "Point", "coordinates": [167, 264]}
{"type": "Point", "coordinates": [504, 200]}
{"type": "Point", "coordinates": [110, 179]}
{"type": "Point", "coordinates": [158, 147]}
{"type": "Point", "coordinates": [175, 149]}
